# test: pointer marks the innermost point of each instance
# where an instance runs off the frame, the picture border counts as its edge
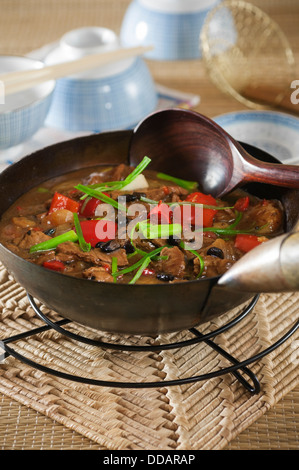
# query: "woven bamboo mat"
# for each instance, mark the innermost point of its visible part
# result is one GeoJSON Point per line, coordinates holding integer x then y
{"type": "Point", "coordinates": [196, 416]}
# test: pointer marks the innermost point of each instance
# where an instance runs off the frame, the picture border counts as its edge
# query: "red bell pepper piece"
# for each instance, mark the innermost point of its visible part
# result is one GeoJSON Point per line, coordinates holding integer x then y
{"type": "Point", "coordinates": [246, 243]}
{"type": "Point", "coordinates": [242, 204]}
{"type": "Point", "coordinates": [207, 214]}
{"type": "Point", "coordinates": [160, 214]}
{"type": "Point", "coordinates": [95, 231]}
{"type": "Point", "coordinates": [88, 207]}
{"type": "Point", "coordinates": [148, 272]}
{"type": "Point", "coordinates": [60, 201]}
{"type": "Point", "coordinates": [54, 265]}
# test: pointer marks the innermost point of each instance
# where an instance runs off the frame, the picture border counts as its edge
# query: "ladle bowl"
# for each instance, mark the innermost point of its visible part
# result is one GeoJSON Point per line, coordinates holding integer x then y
{"type": "Point", "coordinates": [197, 148]}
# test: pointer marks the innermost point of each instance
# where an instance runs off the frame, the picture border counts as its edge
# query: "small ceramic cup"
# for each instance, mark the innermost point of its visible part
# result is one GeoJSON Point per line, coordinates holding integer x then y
{"type": "Point", "coordinates": [22, 113]}
{"type": "Point", "coordinates": [115, 96]}
{"type": "Point", "coordinates": [172, 26]}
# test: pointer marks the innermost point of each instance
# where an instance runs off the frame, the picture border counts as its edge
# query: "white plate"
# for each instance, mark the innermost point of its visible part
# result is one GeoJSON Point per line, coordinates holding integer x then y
{"type": "Point", "coordinates": [274, 132]}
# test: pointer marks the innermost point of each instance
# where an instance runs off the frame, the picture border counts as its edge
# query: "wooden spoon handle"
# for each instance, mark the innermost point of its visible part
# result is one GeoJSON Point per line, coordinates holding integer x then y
{"type": "Point", "coordinates": [271, 173]}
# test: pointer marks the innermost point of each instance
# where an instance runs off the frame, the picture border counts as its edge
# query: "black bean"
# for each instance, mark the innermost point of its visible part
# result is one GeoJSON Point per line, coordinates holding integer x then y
{"type": "Point", "coordinates": [214, 251]}
{"type": "Point", "coordinates": [130, 197]}
{"type": "Point", "coordinates": [139, 195]}
{"type": "Point", "coordinates": [129, 248]}
{"type": "Point", "coordinates": [108, 247]}
{"type": "Point", "coordinates": [134, 196]}
{"type": "Point", "coordinates": [165, 277]}
{"type": "Point", "coordinates": [100, 244]}
{"type": "Point", "coordinates": [173, 241]}
{"type": "Point", "coordinates": [50, 232]}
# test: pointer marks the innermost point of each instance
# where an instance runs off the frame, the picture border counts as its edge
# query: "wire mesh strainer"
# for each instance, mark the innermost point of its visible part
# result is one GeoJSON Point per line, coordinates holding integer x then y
{"type": "Point", "coordinates": [247, 55]}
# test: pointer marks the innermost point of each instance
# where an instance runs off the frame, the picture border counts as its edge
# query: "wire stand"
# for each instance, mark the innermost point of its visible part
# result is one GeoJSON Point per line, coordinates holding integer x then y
{"type": "Point", "coordinates": [237, 368]}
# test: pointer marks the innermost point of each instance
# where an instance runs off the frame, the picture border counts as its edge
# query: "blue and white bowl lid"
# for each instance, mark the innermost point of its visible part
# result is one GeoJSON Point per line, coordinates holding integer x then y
{"type": "Point", "coordinates": [80, 42]}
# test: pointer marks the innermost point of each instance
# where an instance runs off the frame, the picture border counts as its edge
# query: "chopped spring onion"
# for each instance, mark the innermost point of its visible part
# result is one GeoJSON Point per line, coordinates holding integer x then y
{"type": "Point", "coordinates": [114, 267]}
{"type": "Point", "coordinates": [239, 216]}
{"type": "Point", "coordinates": [190, 185]}
{"type": "Point", "coordinates": [43, 190]}
{"type": "Point", "coordinates": [99, 195]}
{"type": "Point", "coordinates": [204, 206]}
{"type": "Point", "coordinates": [146, 261]}
{"type": "Point", "coordinates": [149, 201]}
{"type": "Point", "coordinates": [51, 244]}
{"type": "Point", "coordinates": [152, 231]}
{"type": "Point", "coordinates": [139, 262]}
{"type": "Point", "coordinates": [83, 244]}
{"type": "Point", "coordinates": [137, 171]}
{"type": "Point", "coordinates": [118, 185]}
{"type": "Point", "coordinates": [201, 260]}
{"type": "Point", "coordinates": [225, 231]}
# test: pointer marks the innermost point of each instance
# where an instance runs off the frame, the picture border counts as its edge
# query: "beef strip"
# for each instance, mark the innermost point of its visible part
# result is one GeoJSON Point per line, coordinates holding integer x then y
{"type": "Point", "coordinates": [95, 256]}
{"type": "Point", "coordinates": [33, 237]}
{"type": "Point", "coordinates": [175, 263]}
{"type": "Point", "coordinates": [213, 266]}
{"type": "Point", "coordinates": [23, 222]}
{"type": "Point", "coordinates": [267, 216]}
{"type": "Point", "coordinates": [163, 192]}
{"type": "Point", "coordinates": [97, 274]}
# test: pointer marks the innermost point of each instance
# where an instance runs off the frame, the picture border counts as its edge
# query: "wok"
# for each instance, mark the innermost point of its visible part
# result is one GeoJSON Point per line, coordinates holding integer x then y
{"type": "Point", "coordinates": [124, 309]}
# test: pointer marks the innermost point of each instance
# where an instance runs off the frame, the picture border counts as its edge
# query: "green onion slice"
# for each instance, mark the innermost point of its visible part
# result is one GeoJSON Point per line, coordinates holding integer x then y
{"type": "Point", "coordinates": [190, 185]}
{"type": "Point", "coordinates": [118, 185]}
{"type": "Point", "coordinates": [139, 262]}
{"type": "Point", "coordinates": [43, 190]}
{"type": "Point", "coordinates": [83, 245]}
{"type": "Point", "coordinates": [239, 216]}
{"type": "Point", "coordinates": [152, 231]}
{"type": "Point", "coordinates": [201, 262]}
{"type": "Point", "coordinates": [69, 236]}
{"type": "Point", "coordinates": [204, 206]}
{"type": "Point", "coordinates": [99, 195]}
{"type": "Point", "coordinates": [114, 267]}
{"type": "Point", "coordinates": [137, 171]}
{"type": "Point", "coordinates": [146, 261]}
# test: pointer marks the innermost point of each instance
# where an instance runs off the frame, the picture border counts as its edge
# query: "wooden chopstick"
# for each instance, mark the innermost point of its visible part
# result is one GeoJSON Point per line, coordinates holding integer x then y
{"type": "Point", "coordinates": [22, 80]}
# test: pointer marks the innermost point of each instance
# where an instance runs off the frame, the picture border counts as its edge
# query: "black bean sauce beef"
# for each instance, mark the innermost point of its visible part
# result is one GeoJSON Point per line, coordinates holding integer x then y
{"type": "Point", "coordinates": [127, 225]}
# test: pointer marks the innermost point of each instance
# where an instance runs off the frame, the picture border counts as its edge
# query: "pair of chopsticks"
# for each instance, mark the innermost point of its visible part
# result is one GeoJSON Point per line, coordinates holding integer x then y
{"type": "Point", "coordinates": [14, 82]}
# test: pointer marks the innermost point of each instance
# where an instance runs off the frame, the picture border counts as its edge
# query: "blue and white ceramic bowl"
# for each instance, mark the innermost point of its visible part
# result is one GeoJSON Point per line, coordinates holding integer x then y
{"type": "Point", "coordinates": [172, 26]}
{"type": "Point", "coordinates": [22, 113]}
{"type": "Point", "coordinates": [272, 131]}
{"type": "Point", "coordinates": [115, 96]}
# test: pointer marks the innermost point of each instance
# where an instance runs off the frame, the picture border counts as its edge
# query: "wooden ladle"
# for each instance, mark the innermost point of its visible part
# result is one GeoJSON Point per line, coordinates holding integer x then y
{"type": "Point", "coordinates": [191, 146]}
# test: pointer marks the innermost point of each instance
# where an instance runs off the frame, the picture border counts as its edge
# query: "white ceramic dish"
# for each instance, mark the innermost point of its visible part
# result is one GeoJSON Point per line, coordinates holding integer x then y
{"type": "Point", "coordinates": [275, 132]}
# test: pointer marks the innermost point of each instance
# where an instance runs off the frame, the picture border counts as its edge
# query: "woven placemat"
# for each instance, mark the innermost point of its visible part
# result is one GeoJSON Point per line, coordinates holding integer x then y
{"type": "Point", "coordinates": [197, 416]}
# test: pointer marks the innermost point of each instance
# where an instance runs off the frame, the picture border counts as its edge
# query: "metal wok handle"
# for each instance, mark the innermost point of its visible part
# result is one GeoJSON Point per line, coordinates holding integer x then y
{"type": "Point", "coordinates": [271, 267]}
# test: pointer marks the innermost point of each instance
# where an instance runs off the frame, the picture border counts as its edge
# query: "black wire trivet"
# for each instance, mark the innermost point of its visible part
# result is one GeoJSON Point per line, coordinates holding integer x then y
{"type": "Point", "coordinates": [253, 388]}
